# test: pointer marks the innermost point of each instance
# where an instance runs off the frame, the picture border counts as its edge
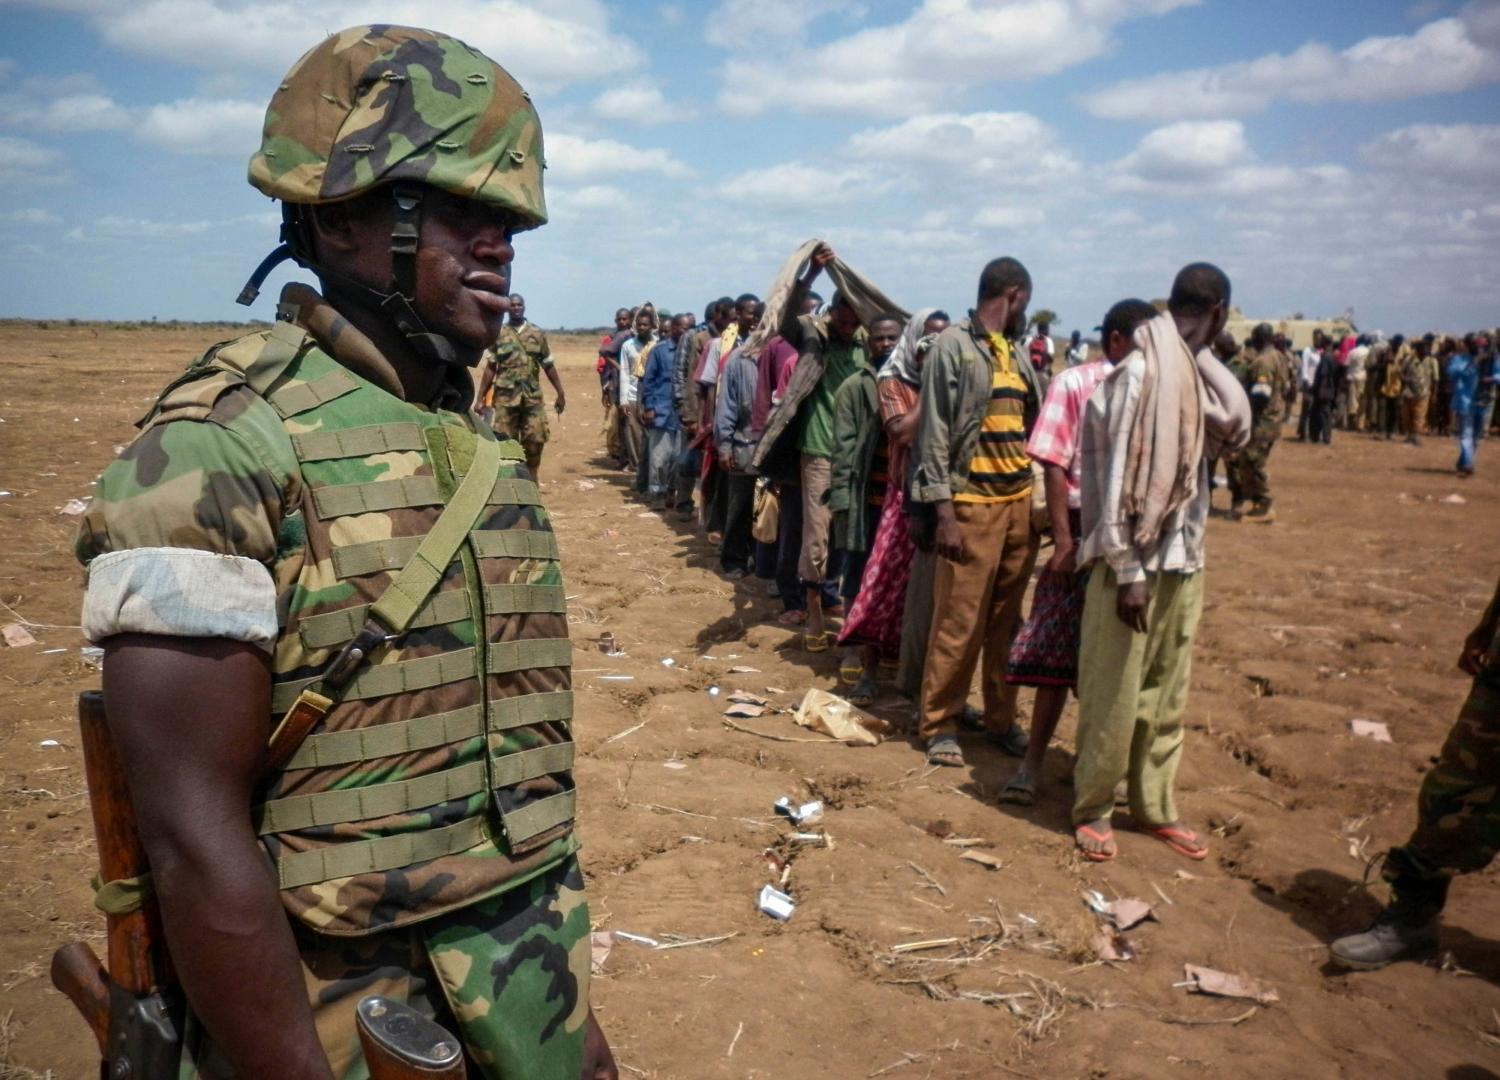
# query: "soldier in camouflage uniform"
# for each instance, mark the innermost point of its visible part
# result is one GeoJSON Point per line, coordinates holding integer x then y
{"type": "Point", "coordinates": [1419, 377]}
{"type": "Point", "coordinates": [314, 522]}
{"type": "Point", "coordinates": [1458, 817]}
{"type": "Point", "coordinates": [1264, 371]}
{"type": "Point", "coordinates": [511, 389]}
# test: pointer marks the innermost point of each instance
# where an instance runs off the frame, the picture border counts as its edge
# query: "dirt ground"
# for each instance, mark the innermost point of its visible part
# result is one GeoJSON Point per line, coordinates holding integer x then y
{"type": "Point", "coordinates": [1354, 605]}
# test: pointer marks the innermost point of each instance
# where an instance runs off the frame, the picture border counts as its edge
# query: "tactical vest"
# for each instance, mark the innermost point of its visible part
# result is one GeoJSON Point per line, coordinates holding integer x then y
{"type": "Point", "coordinates": [442, 773]}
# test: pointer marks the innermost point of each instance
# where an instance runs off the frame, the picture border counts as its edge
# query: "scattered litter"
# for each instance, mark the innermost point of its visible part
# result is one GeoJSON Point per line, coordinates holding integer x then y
{"type": "Point", "coordinates": [966, 841]}
{"type": "Point", "coordinates": [93, 656]}
{"type": "Point", "coordinates": [1128, 912]}
{"type": "Point", "coordinates": [585, 485]}
{"type": "Point", "coordinates": [49, 743]}
{"type": "Point", "coordinates": [600, 942]}
{"type": "Point", "coordinates": [1453, 500]}
{"type": "Point", "coordinates": [922, 946]}
{"type": "Point", "coordinates": [1371, 729]}
{"type": "Point", "coordinates": [1185, 875]}
{"type": "Point", "coordinates": [775, 903]}
{"type": "Point", "coordinates": [668, 662]}
{"type": "Point", "coordinates": [674, 765]}
{"type": "Point", "coordinates": [638, 939]}
{"type": "Point", "coordinates": [836, 717]}
{"type": "Point", "coordinates": [615, 678]}
{"type": "Point", "coordinates": [808, 813]}
{"type": "Point", "coordinates": [16, 635]}
{"type": "Point", "coordinates": [744, 671]}
{"type": "Point", "coordinates": [989, 862]}
{"type": "Point", "coordinates": [608, 644]}
{"type": "Point", "coordinates": [51, 652]}
{"type": "Point", "coordinates": [713, 691]}
{"type": "Point", "coordinates": [745, 697]}
{"type": "Point", "coordinates": [1201, 980]}
{"type": "Point", "coordinates": [646, 513]}
{"type": "Point", "coordinates": [778, 866]}
{"type": "Point", "coordinates": [811, 838]}
{"type": "Point", "coordinates": [940, 828]}
{"type": "Point", "coordinates": [705, 656]}
{"type": "Point", "coordinates": [73, 507]}
{"type": "Point", "coordinates": [775, 690]}
{"type": "Point", "coordinates": [628, 731]}
{"type": "Point", "coordinates": [5, 494]}
{"type": "Point", "coordinates": [744, 710]}
{"type": "Point", "coordinates": [1112, 945]}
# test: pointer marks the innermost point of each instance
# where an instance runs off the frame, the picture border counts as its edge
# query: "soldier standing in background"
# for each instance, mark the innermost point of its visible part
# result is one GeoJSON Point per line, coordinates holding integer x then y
{"type": "Point", "coordinates": [314, 523]}
{"type": "Point", "coordinates": [1265, 375]}
{"type": "Point", "coordinates": [510, 388]}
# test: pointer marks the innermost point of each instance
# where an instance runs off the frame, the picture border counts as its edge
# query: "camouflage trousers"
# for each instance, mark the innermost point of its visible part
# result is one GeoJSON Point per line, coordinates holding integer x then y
{"type": "Point", "coordinates": [508, 975]}
{"type": "Point", "coordinates": [525, 422]}
{"type": "Point", "coordinates": [1458, 809]}
{"type": "Point", "coordinates": [1248, 478]}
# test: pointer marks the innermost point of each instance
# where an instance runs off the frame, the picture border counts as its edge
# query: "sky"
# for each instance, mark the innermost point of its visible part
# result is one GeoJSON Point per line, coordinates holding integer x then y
{"type": "Point", "coordinates": [1336, 155]}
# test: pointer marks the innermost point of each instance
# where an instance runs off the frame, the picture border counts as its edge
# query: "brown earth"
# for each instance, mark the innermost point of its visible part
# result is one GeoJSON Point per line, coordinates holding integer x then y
{"type": "Point", "coordinates": [1353, 606]}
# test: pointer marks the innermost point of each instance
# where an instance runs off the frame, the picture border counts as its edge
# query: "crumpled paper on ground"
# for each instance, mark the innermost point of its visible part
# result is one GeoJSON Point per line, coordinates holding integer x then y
{"type": "Point", "coordinates": [1221, 984]}
{"type": "Point", "coordinates": [833, 716]}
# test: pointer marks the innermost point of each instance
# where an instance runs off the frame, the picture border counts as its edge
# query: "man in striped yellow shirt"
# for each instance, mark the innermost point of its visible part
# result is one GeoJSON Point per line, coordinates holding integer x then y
{"type": "Point", "coordinates": [973, 477]}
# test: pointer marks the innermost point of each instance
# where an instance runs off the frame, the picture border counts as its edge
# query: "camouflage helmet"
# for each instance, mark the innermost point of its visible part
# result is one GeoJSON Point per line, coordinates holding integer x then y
{"type": "Point", "coordinates": [376, 105]}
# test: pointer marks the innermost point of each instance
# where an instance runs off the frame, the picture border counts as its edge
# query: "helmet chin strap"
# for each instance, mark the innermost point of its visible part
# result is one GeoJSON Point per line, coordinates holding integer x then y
{"type": "Point", "coordinates": [397, 304]}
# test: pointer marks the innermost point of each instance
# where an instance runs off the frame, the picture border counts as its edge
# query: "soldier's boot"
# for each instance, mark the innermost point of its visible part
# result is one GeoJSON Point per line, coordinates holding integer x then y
{"type": "Point", "coordinates": [1391, 938]}
{"type": "Point", "coordinates": [1237, 510]}
{"type": "Point", "coordinates": [1262, 513]}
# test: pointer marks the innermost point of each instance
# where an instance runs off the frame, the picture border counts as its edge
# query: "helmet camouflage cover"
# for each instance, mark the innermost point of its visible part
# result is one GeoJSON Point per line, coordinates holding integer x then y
{"type": "Point", "coordinates": [376, 105]}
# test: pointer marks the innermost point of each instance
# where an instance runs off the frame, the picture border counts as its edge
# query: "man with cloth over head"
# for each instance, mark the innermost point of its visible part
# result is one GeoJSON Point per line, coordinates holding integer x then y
{"type": "Point", "coordinates": [314, 523]}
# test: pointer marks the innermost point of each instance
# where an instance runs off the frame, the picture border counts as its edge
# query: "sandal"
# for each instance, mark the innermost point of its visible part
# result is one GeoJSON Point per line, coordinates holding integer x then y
{"type": "Point", "coordinates": [851, 671]}
{"type": "Point", "coordinates": [864, 693]}
{"type": "Point", "coordinates": [1106, 838]}
{"type": "Point", "coordinates": [794, 617]}
{"type": "Point", "coordinates": [817, 642]}
{"type": "Point", "coordinates": [944, 750]}
{"type": "Point", "coordinates": [1178, 838]}
{"type": "Point", "coordinates": [1012, 741]}
{"type": "Point", "coordinates": [970, 719]}
{"type": "Point", "coordinates": [1020, 789]}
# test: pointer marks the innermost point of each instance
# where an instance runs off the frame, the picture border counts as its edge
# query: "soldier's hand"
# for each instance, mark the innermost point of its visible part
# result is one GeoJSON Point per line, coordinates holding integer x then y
{"type": "Point", "coordinates": [598, 1058]}
{"type": "Point", "coordinates": [1471, 660]}
{"type": "Point", "coordinates": [561, 403]}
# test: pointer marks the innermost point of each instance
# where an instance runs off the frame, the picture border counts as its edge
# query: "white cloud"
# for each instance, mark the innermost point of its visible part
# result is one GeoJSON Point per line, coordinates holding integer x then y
{"type": "Point", "coordinates": [546, 44]}
{"type": "Point", "coordinates": [30, 215]}
{"type": "Point", "coordinates": [589, 199]}
{"type": "Point", "coordinates": [793, 184]}
{"type": "Point", "coordinates": [940, 50]}
{"type": "Point", "coordinates": [82, 112]}
{"type": "Point", "coordinates": [1009, 217]}
{"type": "Point", "coordinates": [572, 157]}
{"type": "Point", "coordinates": [1212, 157]}
{"type": "Point", "coordinates": [124, 227]}
{"type": "Point", "coordinates": [751, 23]}
{"type": "Point", "coordinates": [204, 126]}
{"type": "Point", "coordinates": [23, 161]}
{"type": "Point", "coordinates": [1451, 152]}
{"type": "Point", "coordinates": [640, 103]}
{"type": "Point", "coordinates": [1439, 58]}
{"type": "Point", "coordinates": [1005, 148]}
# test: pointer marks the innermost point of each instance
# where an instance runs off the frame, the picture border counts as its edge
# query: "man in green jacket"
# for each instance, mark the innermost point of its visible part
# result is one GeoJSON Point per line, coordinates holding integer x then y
{"type": "Point", "coordinates": [979, 401]}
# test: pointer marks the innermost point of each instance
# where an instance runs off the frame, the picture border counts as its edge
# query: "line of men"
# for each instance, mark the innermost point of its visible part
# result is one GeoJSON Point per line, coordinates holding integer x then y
{"type": "Point", "coordinates": [915, 462]}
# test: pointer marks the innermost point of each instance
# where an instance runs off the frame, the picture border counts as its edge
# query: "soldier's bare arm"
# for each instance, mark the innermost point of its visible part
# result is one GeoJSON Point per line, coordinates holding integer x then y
{"type": "Point", "coordinates": [189, 716]}
{"type": "Point", "coordinates": [561, 401]}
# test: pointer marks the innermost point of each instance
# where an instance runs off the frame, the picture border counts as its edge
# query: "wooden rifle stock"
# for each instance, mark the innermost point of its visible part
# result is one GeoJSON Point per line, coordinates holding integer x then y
{"type": "Point", "coordinates": [77, 973]}
{"type": "Point", "coordinates": [402, 1044]}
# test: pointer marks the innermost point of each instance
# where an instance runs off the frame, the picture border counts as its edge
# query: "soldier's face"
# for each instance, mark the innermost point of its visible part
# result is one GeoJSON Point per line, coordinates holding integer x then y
{"type": "Point", "coordinates": [463, 268]}
{"type": "Point", "coordinates": [517, 308]}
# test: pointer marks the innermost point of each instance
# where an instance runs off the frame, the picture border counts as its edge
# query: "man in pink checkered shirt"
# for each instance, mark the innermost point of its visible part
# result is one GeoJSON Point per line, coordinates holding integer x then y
{"type": "Point", "coordinates": [1045, 651]}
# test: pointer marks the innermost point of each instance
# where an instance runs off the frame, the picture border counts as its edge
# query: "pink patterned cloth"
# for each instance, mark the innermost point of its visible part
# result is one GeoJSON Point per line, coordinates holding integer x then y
{"type": "Point", "coordinates": [1059, 424]}
{"type": "Point", "coordinates": [875, 618]}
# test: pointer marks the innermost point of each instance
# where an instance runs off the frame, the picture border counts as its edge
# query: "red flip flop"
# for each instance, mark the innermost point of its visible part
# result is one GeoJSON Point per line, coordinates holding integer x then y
{"type": "Point", "coordinates": [1173, 836]}
{"type": "Point", "coordinates": [1106, 837]}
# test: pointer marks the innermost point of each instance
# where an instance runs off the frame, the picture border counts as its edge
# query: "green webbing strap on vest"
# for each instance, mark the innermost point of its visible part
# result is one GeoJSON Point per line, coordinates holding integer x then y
{"type": "Point", "coordinates": [374, 496]}
{"type": "Point", "coordinates": [514, 712]}
{"type": "Point", "coordinates": [524, 599]}
{"type": "Point", "coordinates": [283, 343]}
{"type": "Point", "coordinates": [336, 627]}
{"type": "Point", "coordinates": [305, 396]}
{"type": "Point", "coordinates": [374, 856]}
{"type": "Point", "coordinates": [508, 770]}
{"type": "Point", "coordinates": [298, 812]}
{"type": "Point", "coordinates": [374, 556]}
{"type": "Point", "coordinates": [388, 740]}
{"type": "Point", "coordinates": [122, 896]}
{"type": "Point", "coordinates": [535, 818]}
{"type": "Point", "coordinates": [504, 657]}
{"type": "Point", "coordinates": [382, 680]}
{"type": "Point", "coordinates": [358, 442]}
{"type": "Point", "coordinates": [399, 603]}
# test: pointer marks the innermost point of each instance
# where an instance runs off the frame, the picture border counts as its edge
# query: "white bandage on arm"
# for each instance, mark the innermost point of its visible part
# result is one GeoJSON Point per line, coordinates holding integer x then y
{"type": "Point", "coordinates": [180, 592]}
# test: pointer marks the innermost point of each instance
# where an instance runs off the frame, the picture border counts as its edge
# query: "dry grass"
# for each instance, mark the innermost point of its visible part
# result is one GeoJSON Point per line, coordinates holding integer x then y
{"type": "Point", "coordinates": [9, 1068]}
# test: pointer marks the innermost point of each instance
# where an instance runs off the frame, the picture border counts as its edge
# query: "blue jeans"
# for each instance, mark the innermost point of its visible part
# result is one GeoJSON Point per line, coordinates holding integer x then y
{"type": "Point", "coordinates": [1469, 423]}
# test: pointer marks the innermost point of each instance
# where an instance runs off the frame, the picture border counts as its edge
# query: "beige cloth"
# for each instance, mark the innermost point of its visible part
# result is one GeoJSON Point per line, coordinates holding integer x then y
{"type": "Point", "coordinates": [1166, 439]}
{"type": "Point", "coordinates": [863, 294]}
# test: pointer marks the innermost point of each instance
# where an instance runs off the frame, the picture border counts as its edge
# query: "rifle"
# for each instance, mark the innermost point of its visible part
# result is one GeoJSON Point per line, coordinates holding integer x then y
{"type": "Point", "coordinates": [134, 1008]}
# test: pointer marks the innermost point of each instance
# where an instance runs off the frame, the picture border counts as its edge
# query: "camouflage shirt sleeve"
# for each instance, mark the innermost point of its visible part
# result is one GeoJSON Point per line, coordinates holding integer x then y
{"type": "Point", "coordinates": [544, 350]}
{"type": "Point", "coordinates": [183, 531]}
